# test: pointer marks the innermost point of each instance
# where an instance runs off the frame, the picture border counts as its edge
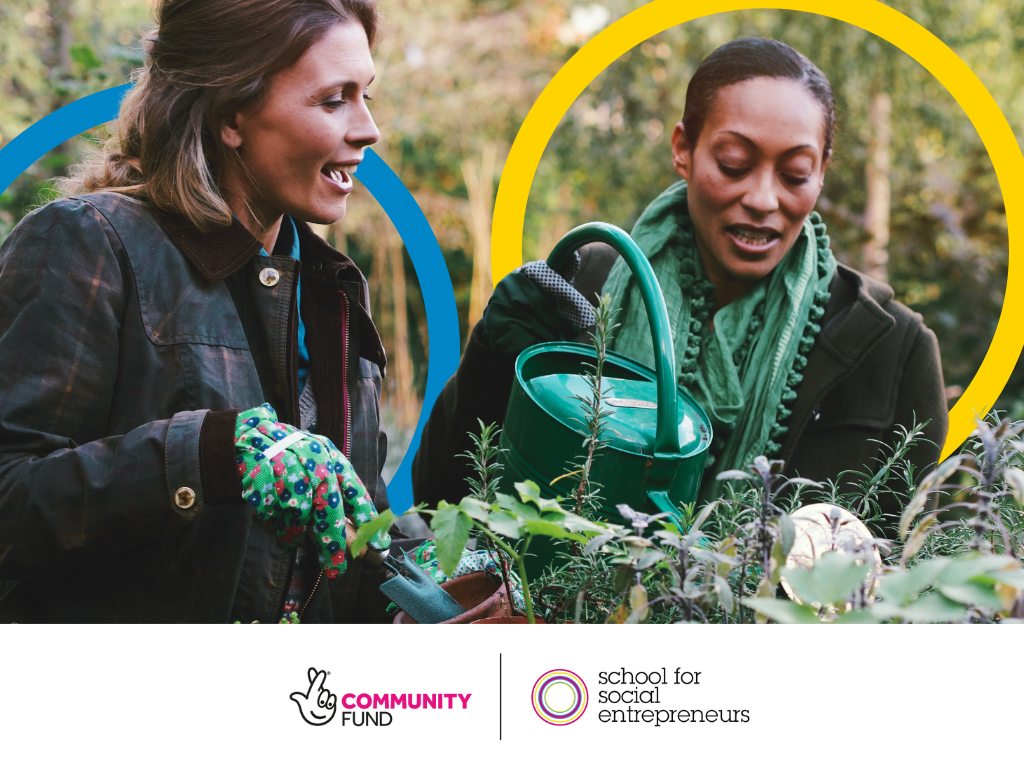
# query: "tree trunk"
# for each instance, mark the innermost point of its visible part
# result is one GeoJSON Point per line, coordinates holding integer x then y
{"type": "Point", "coordinates": [481, 200]}
{"type": "Point", "coordinates": [61, 15]}
{"type": "Point", "coordinates": [876, 212]}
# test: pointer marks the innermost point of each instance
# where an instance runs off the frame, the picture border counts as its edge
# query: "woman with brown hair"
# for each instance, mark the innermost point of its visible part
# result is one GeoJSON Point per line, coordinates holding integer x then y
{"type": "Point", "coordinates": [178, 285]}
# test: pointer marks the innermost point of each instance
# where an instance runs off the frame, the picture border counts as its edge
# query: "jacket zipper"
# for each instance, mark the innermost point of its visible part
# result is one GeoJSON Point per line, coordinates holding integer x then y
{"type": "Point", "coordinates": [346, 323]}
{"type": "Point", "coordinates": [346, 437]}
{"type": "Point", "coordinates": [292, 351]}
{"type": "Point", "coordinates": [305, 605]}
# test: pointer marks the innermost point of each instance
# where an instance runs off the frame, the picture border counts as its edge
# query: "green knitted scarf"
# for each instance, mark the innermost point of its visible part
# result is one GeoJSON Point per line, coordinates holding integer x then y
{"type": "Point", "coordinates": [744, 371]}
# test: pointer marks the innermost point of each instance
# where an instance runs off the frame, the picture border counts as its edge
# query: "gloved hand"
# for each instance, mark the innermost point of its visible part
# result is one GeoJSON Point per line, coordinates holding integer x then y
{"type": "Point", "coordinates": [535, 304]}
{"type": "Point", "coordinates": [300, 483]}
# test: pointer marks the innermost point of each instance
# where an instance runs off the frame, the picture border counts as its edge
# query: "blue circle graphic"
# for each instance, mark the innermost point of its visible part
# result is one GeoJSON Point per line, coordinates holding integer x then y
{"type": "Point", "coordinates": [381, 182]}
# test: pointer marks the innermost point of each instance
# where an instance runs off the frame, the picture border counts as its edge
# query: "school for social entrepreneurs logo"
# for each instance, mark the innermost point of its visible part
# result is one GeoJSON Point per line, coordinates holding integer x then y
{"type": "Point", "coordinates": [559, 697]}
{"type": "Point", "coordinates": [318, 705]}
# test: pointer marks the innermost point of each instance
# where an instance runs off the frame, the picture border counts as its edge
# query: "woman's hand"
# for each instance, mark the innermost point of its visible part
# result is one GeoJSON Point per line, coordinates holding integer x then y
{"type": "Point", "coordinates": [300, 483]}
{"type": "Point", "coordinates": [532, 305]}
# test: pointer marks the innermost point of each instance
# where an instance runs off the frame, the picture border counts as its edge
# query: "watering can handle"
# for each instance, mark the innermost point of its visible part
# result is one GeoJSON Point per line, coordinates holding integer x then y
{"type": "Point", "coordinates": [666, 439]}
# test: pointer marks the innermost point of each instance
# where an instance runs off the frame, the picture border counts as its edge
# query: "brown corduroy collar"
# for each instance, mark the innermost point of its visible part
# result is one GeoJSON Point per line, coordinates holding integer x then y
{"type": "Point", "coordinates": [220, 253]}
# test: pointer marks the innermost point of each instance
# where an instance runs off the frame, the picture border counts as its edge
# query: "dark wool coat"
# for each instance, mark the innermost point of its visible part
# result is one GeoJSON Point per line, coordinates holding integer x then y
{"type": "Point", "coordinates": [128, 343]}
{"type": "Point", "coordinates": [873, 366]}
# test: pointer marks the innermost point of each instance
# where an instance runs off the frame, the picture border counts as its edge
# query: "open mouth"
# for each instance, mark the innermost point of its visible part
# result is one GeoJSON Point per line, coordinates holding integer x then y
{"type": "Point", "coordinates": [339, 177]}
{"type": "Point", "coordinates": [753, 238]}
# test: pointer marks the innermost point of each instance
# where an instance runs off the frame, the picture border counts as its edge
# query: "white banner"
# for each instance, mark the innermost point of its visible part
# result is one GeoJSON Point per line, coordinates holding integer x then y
{"type": "Point", "coordinates": [424, 696]}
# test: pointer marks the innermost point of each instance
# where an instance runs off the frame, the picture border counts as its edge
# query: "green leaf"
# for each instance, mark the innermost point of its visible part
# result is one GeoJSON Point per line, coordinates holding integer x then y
{"type": "Point", "coordinates": [972, 594]}
{"type": "Point", "coordinates": [1013, 577]}
{"type": "Point", "coordinates": [85, 56]}
{"type": "Point", "coordinates": [555, 531]}
{"type": "Point", "coordinates": [725, 596]}
{"type": "Point", "coordinates": [1014, 478]}
{"type": "Point", "coordinates": [918, 537]}
{"type": "Point", "coordinates": [734, 474]}
{"type": "Point", "coordinates": [638, 602]}
{"type": "Point", "coordinates": [966, 567]}
{"type": "Point", "coordinates": [832, 581]}
{"type": "Point", "coordinates": [505, 525]}
{"type": "Point", "coordinates": [900, 587]}
{"type": "Point", "coordinates": [787, 535]}
{"type": "Point", "coordinates": [620, 615]}
{"type": "Point", "coordinates": [525, 511]}
{"type": "Point", "coordinates": [529, 491]}
{"type": "Point", "coordinates": [623, 577]}
{"type": "Point", "coordinates": [932, 608]}
{"type": "Point", "coordinates": [650, 559]}
{"type": "Point", "coordinates": [367, 531]}
{"type": "Point", "coordinates": [505, 501]}
{"type": "Point", "coordinates": [705, 513]}
{"type": "Point", "coordinates": [780, 562]}
{"type": "Point", "coordinates": [451, 528]}
{"type": "Point", "coordinates": [577, 523]}
{"type": "Point", "coordinates": [596, 543]}
{"type": "Point", "coordinates": [782, 611]}
{"type": "Point", "coordinates": [475, 508]}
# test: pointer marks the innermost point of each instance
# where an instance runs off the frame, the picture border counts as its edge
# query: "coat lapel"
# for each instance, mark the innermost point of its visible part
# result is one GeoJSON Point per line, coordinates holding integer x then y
{"type": "Point", "coordinates": [853, 324]}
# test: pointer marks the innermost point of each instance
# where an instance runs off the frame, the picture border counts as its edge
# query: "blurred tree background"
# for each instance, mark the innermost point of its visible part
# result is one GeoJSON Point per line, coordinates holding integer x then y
{"type": "Point", "coordinates": [911, 196]}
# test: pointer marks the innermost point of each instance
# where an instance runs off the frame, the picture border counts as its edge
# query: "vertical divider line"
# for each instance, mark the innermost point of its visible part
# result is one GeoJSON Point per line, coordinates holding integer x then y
{"type": "Point", "coordinates": [499, 697]}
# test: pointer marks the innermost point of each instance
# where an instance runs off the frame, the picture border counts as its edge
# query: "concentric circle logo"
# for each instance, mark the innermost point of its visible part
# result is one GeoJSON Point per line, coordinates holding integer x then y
{"type": "Point", "coordinates": [559, 697]}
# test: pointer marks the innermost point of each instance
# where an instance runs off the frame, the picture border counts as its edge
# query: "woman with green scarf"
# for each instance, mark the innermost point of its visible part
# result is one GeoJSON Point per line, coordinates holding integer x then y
{"type": "Point", "coordinates": [791, 354]}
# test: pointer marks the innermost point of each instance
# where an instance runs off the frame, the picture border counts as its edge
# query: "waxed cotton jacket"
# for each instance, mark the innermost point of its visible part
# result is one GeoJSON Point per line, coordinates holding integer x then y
{"type": "Point", "coordinates": [874, 366]}
{"type": "Point", "coordinates": [128, 343]}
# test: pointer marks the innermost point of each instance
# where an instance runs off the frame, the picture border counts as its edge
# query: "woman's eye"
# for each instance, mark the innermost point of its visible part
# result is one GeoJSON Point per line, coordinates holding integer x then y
{"type": "Point", "coordinates": [732, 170]}
{"type": "Point", "coordinates": [334, 103]}
{"type": "Point", "coordinates": [796, 181]}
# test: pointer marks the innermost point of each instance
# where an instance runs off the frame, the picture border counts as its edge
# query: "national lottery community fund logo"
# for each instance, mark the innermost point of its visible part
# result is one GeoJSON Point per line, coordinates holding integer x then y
{"type": "Point", "coordinates": [559, 697]}
{"type": "Point", "coordinates": [318, 705]}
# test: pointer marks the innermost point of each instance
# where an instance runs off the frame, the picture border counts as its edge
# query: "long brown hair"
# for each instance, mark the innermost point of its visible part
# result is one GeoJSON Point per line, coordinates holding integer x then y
{"type": "Point", "coordinates": [205, 61]}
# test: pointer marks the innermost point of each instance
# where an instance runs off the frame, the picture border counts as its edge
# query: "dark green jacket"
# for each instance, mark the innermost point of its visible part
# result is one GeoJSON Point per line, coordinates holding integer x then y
{"type": "Point", "coordinates": [873, 366]}
{"type": "Point", "coordinates": [128, 342]}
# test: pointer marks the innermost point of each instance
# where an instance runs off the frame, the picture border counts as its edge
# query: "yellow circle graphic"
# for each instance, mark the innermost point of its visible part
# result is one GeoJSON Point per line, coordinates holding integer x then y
{"type": "Point", "coordinates": [881, 20]}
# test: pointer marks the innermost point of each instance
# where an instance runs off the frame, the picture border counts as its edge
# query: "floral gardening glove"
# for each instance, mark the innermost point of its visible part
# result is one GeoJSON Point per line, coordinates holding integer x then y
{"type": "Point", "coordinates": [298, 482]}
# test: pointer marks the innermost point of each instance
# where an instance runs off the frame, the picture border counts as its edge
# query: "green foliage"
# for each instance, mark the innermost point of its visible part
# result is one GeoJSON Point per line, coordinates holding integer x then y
{"type": "Point", "coordinates": [484, 460]}
{"type": "Point", "coordinates": [367, 531]}
{"type": "Point", "coordinates": [85, 56]}
{"type": "Point", "coordinates": [691, 576]}
{"type": "Point", "coordinates": [508, 517]}
{"type": "Point", "coordinates": [595, 412]}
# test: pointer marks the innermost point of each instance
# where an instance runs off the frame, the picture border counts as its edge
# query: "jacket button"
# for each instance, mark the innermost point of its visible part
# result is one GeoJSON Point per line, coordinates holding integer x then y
{"type": "Point", "coordinates": [184, 497]}
{"type": "Point", "coordinates": [270, 277]}
{"type": "Point", "coordinates": [316, 266]}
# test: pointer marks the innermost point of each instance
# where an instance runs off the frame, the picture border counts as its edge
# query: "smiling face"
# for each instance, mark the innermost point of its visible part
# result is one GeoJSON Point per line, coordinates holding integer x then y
{"type": "Point", "coordinates": [752, 178]}
{"type": "Point", "coordinates": [302, 143]}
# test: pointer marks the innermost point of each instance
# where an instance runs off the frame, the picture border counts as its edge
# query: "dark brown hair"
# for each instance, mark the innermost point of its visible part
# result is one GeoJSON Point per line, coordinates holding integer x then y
{"type": "Point", "coordinates": [205, 60]}
{"type": "Point", "coordinates": [746, 59]}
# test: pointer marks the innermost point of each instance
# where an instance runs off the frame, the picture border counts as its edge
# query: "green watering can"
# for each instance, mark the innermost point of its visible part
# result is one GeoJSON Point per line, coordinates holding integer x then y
{"type": "Point", "coordinates": [658, 436]}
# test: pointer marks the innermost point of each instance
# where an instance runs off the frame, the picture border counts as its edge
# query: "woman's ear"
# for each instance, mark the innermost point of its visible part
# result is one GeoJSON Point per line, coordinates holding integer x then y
{"type": "Point", "coordinates": [231, 131]}
{"type": "Point", "coordinates": [682, 155]}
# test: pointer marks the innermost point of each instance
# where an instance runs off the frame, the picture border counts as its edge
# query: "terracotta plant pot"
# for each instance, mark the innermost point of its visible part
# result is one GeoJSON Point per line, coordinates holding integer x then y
{"type": "Point", "coordinates": [475, 592]}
